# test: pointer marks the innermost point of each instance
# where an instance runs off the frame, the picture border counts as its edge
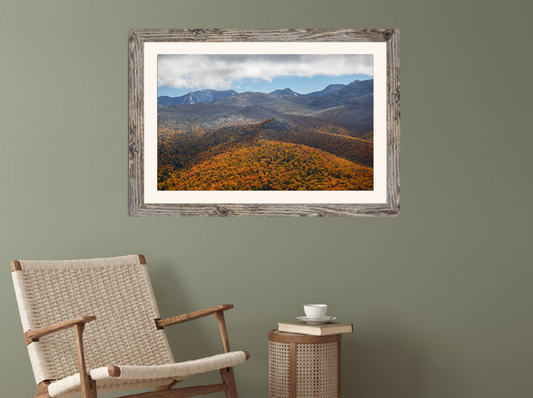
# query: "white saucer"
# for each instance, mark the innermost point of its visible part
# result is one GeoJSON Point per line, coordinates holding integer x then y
{"type": "Point", "coordinates": [316, 321]}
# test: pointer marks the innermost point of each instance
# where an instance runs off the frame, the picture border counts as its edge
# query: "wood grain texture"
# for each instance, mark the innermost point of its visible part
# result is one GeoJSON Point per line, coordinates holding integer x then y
{"type": "Point", "coordinates": [88, 386]}
{"type": "Point", "coordinates": [35, 334]}
{"type": "Point", "coordinates": [136, 205]}
{"type": "Point", "coordinates": [292, 370]}
{"type": "Point", "coordinates": [15, 266]}
{"type": "Point", "coordinates": [393, 121]}
{"type": "Point", "coordinates": [262, 35]}
{"type": "Point", "coordinates": [219, 315]}
{"type": "Point", "coordinates": [167, 387]}
{"type": "Point", "coordinates": [161, 323]}
{"type": "Point", "coordinates": [136, 122]}
{"type": "Point", "coordinates": [181, 392]}
{"type": "Point", "coordinates": [228, 377]}
{"type": "Point", "coordinates": [114, 371]}
{"type": "Point", "coordinates": [42, 390]}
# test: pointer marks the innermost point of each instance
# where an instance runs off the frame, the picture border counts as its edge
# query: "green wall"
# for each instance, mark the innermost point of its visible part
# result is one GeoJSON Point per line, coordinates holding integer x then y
{"type": "Point", "coordinates": [440, 297]}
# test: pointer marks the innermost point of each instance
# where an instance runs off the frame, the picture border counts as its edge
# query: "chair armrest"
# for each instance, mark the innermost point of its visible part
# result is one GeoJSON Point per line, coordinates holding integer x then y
{"type": "Point", "coordinates": [88, 386]}
{"type": "Point", "coordinates": [35, 334]}
{"type": "Point", "coordinates": [162, 323]}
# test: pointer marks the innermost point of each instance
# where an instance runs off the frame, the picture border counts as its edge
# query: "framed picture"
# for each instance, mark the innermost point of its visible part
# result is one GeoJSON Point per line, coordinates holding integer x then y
{"type": "Point", "coordinates": [293, 122]}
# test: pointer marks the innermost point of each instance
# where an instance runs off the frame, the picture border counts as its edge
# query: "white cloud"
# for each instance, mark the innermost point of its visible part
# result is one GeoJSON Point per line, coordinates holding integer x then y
{"type": "Point", "coordinates": [226, 71]}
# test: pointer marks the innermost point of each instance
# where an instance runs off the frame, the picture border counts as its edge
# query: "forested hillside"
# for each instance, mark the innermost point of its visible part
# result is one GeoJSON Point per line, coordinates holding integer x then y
{"type": "Point", "coordinates": [277, 141]}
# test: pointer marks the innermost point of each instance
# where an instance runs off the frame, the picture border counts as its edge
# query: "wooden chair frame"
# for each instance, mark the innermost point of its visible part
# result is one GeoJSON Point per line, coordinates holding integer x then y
{"type": "Point", "coordinates": [88, 386]}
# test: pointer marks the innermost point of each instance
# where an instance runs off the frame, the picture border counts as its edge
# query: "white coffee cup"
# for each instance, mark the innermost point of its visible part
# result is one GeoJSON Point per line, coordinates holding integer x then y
{"type": "Point", "coordinates": [317, 311]}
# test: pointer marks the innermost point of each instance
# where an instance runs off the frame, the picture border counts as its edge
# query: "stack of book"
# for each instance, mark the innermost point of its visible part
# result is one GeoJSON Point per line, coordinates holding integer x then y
{"type": "Point", "coordinates": [325, 329]}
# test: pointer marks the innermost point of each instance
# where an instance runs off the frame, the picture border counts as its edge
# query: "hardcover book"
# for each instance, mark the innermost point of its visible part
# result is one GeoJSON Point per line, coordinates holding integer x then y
{"type": "Point", "coordinates": [315, 330]}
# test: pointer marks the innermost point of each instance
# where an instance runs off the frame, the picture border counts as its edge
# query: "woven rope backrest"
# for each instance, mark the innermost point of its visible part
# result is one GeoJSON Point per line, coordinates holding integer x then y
{"type": "Point", "coordinates": [116, 290]}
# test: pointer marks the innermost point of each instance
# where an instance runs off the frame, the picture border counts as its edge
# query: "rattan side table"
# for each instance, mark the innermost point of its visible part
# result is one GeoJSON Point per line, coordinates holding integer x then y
{"type": "Point", "coordinates": [303, 366]}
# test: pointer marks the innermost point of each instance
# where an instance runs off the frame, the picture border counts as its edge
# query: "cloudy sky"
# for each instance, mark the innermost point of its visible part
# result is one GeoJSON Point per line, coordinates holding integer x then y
{"type": "Point", "coordinates": [179, 74]}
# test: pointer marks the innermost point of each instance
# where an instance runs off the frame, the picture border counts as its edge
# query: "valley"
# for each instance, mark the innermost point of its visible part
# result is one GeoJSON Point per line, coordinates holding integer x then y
{"type": "Point", "coordinates": [283, 140]}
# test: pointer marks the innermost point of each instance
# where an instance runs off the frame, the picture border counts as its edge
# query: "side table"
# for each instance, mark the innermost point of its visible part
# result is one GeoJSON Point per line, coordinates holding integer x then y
{"type": "Point", "coordinates": [303, 366]}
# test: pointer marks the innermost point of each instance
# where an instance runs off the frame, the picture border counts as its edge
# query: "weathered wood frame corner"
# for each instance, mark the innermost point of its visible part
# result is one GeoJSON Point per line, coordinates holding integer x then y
{"type": "Point", "coordinates": [137, 38]}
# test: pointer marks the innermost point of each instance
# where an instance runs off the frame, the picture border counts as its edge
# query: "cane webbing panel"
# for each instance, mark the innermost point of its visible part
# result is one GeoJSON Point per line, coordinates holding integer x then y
{"type": "Point", "coordinates": [317, 369]}
{"type": "Point", "coordinates": [278, 370]}
{"type": "Point", "coordinates": [116, 290]}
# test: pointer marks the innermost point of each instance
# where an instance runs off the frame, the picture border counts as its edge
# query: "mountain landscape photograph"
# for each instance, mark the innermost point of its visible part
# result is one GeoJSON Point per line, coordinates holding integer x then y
{"type": "Point", "coordinates": [235, 122]}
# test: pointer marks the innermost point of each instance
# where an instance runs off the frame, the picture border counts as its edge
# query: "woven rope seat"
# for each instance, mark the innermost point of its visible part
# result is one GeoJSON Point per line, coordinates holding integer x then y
{"type": "Point", "coordinates": [111, 302]}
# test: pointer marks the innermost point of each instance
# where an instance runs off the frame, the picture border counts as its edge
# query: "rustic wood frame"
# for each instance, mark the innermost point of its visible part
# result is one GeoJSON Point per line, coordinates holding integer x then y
{"type": "Point", "coordinates": [137, 38]}
{"type": "Point", "coordinates": [89, 386]}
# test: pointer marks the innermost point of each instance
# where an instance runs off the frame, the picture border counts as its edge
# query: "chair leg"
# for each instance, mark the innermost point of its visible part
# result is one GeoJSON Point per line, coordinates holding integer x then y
{"type": "Point", "coordinates": [228, 377]}
{"type": "Point", "coordinates": [42, 390]}
{"type": "Point", "coordinates": [91, 393]}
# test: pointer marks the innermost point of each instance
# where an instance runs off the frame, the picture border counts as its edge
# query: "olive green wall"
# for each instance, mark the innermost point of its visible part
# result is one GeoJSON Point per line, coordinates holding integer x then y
{"type": "Point", "coordinates": [440, 297]}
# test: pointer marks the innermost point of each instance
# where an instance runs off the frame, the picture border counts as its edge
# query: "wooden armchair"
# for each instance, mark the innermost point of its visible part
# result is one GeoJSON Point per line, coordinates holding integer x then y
{"type": "Point", "coordinates": [119, 341]}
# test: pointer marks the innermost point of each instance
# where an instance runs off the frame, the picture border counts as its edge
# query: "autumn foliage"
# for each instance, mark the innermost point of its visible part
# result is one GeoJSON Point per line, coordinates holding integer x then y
{"type": "Point", "coordinates": [256, 158]}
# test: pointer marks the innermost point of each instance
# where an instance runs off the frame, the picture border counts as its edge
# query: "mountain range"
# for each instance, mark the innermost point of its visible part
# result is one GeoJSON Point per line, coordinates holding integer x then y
{"type": "Point", "coordinates": [209, 95]}
{"type": "Point", "coordinates": [196, 97]}
{"type": "Point", "coordinates": [350, 105]}
{"type": "Point", "coordinates": [283, 140]}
